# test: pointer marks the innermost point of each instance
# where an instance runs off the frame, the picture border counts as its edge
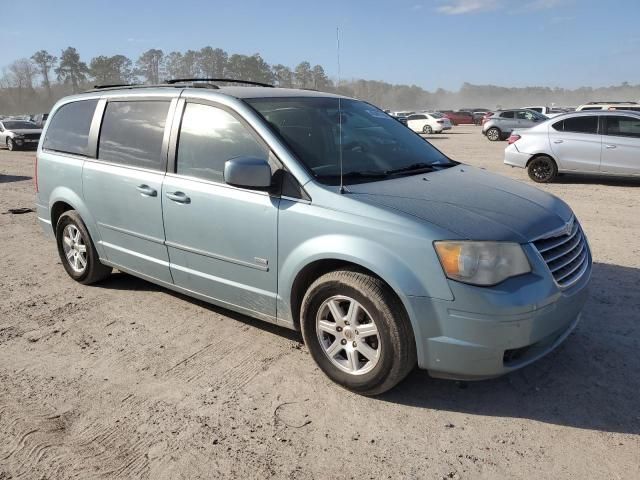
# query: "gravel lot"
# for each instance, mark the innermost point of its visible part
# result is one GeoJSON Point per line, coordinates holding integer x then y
{"type": "Point", "coordinates": [128, 380]}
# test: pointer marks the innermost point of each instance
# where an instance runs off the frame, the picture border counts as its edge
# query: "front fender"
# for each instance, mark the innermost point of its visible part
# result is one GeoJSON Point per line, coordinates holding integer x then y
{"type": "Point", "coordinates": [419, 278]}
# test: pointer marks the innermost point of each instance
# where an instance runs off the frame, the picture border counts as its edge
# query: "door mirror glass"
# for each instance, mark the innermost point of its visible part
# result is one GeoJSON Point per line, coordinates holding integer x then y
{"type": "Point", "coordinates": [247, 172]}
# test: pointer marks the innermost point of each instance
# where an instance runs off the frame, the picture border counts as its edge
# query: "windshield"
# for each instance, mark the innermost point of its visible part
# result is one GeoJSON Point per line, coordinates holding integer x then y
{"type": "Point", "coordinates": [19, 124]}
{"type": "Point", "coordinates": [374, 145]}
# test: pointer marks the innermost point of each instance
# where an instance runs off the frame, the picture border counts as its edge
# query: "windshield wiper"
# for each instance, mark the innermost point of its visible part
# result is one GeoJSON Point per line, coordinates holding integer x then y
{"type": "Point", "coordinates": [355, 174]}
{"type": "Point", "coordinates": [413, 168]}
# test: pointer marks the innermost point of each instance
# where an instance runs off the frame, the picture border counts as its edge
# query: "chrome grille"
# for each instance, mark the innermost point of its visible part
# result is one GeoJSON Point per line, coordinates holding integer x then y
{"type": "Point", "coordinates": [566, 254]}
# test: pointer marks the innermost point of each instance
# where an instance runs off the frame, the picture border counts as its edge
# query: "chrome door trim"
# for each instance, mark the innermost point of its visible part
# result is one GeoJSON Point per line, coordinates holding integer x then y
{"type": "Point", "coordinates": [132, 233]}
{"type": "Point", "coordinates": [215, 256]}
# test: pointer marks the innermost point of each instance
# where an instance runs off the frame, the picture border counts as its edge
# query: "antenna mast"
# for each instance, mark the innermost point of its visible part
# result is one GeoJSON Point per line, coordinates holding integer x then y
{"type": "Point", "coordinates": [339, 113]}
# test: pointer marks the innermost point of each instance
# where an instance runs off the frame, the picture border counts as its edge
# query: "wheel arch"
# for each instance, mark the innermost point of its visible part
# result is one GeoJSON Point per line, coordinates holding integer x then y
{"type": "Point", "coordinates": [541, 154]}
{"type": "Point", "coordinates": [318, 267]}
{"type": "Point", "coordinates": [63, 199]}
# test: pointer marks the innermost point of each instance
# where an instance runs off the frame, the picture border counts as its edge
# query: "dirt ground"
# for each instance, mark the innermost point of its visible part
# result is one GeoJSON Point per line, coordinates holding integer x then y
{"type": "Point", "coordinates": [128, 380]}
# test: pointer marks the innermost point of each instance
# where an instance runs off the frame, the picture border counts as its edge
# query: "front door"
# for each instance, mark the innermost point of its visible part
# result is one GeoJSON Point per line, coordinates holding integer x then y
{"type": "Point", "coordinates": [621, 145]}
{"type": "Point", "coordinates": [222, 240]}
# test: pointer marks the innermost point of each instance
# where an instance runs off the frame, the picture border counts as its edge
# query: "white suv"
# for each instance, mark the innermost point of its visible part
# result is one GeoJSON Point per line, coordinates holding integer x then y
{"type": "Point", "coordinates": [632, 106]}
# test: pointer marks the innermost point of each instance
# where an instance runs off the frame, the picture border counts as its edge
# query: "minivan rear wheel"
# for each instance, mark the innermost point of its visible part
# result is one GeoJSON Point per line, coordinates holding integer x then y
{"type": "Point", "coordinates": [357, 331]}
{"type": "Point", "coordinates": [77, 251]}
{"type": "Point", "coordinates": [542, 169]}
{"type": "Point", "coordinates": [493, 134]}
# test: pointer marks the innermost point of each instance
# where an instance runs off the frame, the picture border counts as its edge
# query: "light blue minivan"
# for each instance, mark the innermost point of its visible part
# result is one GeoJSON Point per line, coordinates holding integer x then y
{"type": "Point", "coordinates": [315, 212]}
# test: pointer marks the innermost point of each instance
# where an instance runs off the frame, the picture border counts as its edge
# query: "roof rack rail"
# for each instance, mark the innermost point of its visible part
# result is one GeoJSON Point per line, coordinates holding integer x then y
{"type": "Point", "coordinates": [115, 85]}
{"type": "Point", "coordinates": [228, 80]}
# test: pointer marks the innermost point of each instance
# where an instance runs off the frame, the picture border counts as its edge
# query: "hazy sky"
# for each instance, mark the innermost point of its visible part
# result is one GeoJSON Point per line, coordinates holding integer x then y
{"type": "Point", "coordinates": [431, 43]}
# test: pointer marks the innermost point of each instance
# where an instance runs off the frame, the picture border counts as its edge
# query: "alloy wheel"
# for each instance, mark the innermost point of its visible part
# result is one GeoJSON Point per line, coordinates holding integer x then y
{"type": "Point", "coordinates": [75, 250]}
{"type": "Point", "coordinates": [348, 335]}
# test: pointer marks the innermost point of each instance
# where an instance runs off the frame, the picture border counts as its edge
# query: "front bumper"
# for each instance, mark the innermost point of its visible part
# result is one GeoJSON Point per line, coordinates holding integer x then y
{"type": "Point", "coordinates": [487, 332]}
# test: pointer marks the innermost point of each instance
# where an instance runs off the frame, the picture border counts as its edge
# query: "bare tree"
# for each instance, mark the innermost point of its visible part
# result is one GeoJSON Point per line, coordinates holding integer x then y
{"type": "Point", "coordinates": [23, 72]}
{"type": "Point", "coordinates": [45, 62]}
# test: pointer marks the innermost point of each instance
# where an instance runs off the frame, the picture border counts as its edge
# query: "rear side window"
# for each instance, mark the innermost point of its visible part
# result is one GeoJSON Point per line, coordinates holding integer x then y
{"type": "Point", "coordinates": [131, 133]}
{"type": "Point", "coordinates": [68, 130]}
{"type": "Point", "coordinates": [623, 126]}
{"type": "Point", "coordinates": [210, 136]}
{"type": "Point", "coordinates": [590, 108]}
{"type": "Point", "coordinates": [507, 115]}
{"type": "Point", "coordinates": [579, 125]}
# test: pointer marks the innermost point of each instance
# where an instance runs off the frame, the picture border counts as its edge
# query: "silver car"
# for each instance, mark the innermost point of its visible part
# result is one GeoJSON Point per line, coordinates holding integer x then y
{"type": "Point", "coordinates": [599, 142]}
{"type": "Point", "coordinates": [318, 213]}
{"type": "Point", "coordinates": [500, 125]}
{"type": "Point", "coordinates": [15, 134]}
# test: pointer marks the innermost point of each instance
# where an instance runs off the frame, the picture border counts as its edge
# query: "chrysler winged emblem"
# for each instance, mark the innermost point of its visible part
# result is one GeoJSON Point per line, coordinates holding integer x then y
{"type": "Point", "coordinates": [569, 227]}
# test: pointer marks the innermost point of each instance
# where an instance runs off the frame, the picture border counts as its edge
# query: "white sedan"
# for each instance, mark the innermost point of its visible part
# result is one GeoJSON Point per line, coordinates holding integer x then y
{"type": "Point", "coordinates": [428, 122]}
{"type": "Point", "coordinates": [598, 142]}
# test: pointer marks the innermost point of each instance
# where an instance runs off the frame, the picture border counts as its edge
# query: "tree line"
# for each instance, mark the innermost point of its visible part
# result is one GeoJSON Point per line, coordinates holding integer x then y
{"type": "Point", "coordinates": [30, 85]}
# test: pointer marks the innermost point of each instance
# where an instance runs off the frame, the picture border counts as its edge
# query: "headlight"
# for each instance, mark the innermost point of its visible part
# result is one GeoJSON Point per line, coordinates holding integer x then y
{"type": "Point", "coordinates": [17, 135]}
{"type": "Point", "coordinates": [482, 263]}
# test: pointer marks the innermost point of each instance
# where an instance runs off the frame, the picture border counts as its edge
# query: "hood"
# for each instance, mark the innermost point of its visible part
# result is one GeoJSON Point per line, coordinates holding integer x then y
{"type": "Point", "coordinates": [24, 131]}
{"type": "Point", "coordinates": [471, 203]}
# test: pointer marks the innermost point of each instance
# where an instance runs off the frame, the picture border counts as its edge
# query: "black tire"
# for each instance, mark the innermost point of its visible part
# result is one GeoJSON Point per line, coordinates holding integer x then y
{"type": "Point", "coordinates": [397, 349]}
{"type": "Point", "coordinates": [542, 169]}
{"type": "Point", "coordinates": [11, 145]}
{"type": "Point", "coordinates": [93, 271]}
{"type": "Point", "coordinates": [427, 129]}
{"type": "Point", "coordinates": [494, 134]}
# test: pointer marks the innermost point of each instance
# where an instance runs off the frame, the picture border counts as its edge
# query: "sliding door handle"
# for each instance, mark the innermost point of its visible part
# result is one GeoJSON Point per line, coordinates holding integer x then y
{"type": "Point", "coordinates": [179, 197]}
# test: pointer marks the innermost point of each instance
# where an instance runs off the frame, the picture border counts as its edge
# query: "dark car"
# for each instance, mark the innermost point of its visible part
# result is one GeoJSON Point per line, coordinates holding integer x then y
{"type": "Point", "coordinates": [459, 117]}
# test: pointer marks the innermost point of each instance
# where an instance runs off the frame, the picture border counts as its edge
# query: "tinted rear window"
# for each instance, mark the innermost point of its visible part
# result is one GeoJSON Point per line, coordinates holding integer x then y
{"type": "Point", "coordinates": [132, 132]}
{"type": "Point", "coordinates": [69, 128]}
{"type": "Point", "coordinates": [507, 114]}
{"type": "Point", "coordinates": [578, 125]}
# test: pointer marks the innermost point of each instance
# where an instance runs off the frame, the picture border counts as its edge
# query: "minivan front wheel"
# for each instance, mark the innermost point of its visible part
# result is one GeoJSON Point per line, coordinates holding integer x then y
{"type": "Point", "coordinates": [357, 331]}
{"type": "Point", "coordinates": [542, 169]}
{"type": "Point", "coordinates": [76, 250]}
{"type": "Point", "coordinates": [493, 134]}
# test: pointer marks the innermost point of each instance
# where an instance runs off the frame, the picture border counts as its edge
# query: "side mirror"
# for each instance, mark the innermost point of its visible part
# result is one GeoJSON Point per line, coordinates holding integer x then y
{"type": "Point", "coordinates": [247, 172]}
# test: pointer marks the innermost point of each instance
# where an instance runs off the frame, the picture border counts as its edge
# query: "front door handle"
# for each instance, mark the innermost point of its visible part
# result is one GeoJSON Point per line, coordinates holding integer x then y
{"type": "Point", "coordinates": [146, 190]}
{"type": "Point", "coordinates": [609, 146]}
{"type": "Point", "coordinates": [179, 197]}
{"type": "Point", "coordinates": [558, 141]}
